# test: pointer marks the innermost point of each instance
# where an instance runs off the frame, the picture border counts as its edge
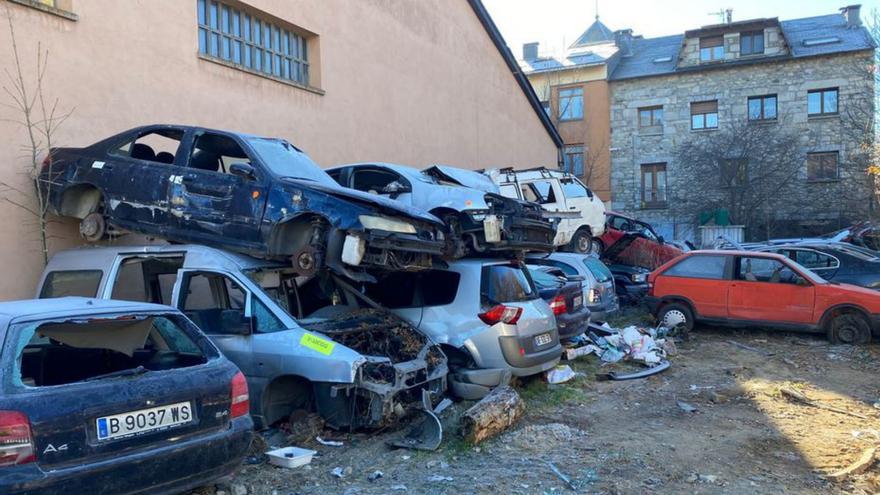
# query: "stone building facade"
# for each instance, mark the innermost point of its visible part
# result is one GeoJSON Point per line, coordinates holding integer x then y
{"type": "Point", "coordinates": [804, 82]}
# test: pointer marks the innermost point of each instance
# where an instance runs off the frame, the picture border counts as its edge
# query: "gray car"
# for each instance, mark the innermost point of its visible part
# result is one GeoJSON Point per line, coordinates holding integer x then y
{"type": "Point", "coordinates": [487, 315]}
{"type": "Point", "coordinates": [338, 364]}
{"type": "Point", "coordinates": [600, 296]}
{"type": "Point", "coordinates": [478, 218]}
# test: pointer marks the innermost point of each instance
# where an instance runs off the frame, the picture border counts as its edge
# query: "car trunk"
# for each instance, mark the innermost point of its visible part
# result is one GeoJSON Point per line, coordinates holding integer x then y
{"type": "Point", "coordinates": [107, 391]}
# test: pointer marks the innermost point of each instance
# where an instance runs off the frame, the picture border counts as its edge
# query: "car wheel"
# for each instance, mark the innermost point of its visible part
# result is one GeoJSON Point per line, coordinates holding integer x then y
{"type": "Point", "coordinates": [582, 242]}
{"type": "Point", "coordinates": [93, 227]}
{"type": "Point", "coordinates": [849, 328]}
{"type": "Point", "coordinates": [598, 248]}
{"type": "Point", "coordinates": [676, 314]}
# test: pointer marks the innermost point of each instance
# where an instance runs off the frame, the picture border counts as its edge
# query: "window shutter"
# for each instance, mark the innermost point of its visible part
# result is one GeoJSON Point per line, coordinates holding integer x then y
{"type": "Point", "coordinates": [711, 42]}
{"type": "Point", "coordinates": [704, 107]}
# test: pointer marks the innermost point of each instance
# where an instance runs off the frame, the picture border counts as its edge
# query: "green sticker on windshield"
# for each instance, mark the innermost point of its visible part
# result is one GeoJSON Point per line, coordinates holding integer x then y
{"type": "Point", "coordinates": [314, 343]}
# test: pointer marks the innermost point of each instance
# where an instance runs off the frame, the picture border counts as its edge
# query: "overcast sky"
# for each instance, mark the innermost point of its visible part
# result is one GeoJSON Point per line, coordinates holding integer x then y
{"type": "Point", "coordinates": [557, 23]}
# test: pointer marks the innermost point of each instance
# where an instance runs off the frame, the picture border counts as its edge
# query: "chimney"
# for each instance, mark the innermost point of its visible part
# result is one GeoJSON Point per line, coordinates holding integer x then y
{"type": "Point", "coordinates": [623, 39]}
{"type": "Point", "coordinates": [853, 20]}
{"type": "Point", "coordinates": [530, 51]}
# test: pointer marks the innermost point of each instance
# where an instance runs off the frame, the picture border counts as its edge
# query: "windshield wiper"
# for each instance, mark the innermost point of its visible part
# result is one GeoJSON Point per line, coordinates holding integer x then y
{"type": "Point", "coordinates": [114, 374]}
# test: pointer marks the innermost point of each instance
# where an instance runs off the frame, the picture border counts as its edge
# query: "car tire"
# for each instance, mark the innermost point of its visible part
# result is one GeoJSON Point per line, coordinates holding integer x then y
{"type": "Point", "coordinates": [676, 314]}
{"type": "Point", "coordinates": [849, 328]}
{"type": "Point", "coordinates": [582, 242]}
{"type": "Point", "coordinates": [93, 227]}
{"type": "Point", "coordinates": [598, 248]}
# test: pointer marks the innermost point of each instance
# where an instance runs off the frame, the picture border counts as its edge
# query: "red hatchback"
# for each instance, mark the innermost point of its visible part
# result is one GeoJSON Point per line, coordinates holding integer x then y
{"type": "Point", "coordinates": [746, 288]}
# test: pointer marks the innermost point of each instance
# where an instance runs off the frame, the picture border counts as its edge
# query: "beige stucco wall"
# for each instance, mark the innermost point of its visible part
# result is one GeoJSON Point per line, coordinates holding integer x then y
{"type": "Point", "coordinates": [405, 81]}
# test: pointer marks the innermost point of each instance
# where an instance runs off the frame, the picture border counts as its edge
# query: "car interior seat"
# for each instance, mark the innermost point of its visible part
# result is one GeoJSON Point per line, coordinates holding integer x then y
{"type": "Point", "coordinates": [164, 157]}
{"type": "Point", "coordinates": [204, 160]}
{"type": "Point", "coordinates": [142, 151]}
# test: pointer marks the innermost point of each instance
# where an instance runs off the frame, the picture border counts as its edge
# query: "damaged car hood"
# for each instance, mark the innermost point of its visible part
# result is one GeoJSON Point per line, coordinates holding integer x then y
{"type": "Point", "coordinates": [385, 204]}
{"type": "Point", "coordinates": [462, 177]}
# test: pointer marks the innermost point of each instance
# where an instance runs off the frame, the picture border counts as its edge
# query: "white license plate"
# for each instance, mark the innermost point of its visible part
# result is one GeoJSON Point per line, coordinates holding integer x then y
{"type": "Point", "coordinates": [543, 339]}
{"type": "Point", "coordinates": [144, 420]}
{"type": "Point", "coordinates": [578, 301]}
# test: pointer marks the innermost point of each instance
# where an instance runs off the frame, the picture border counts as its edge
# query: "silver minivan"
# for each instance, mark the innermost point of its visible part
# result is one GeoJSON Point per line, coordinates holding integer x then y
{"type": "Point", "coordinates": [337, 363]}
{"type": "Point", "coordinates": [600, 296]}
{"type": "Point", "coordinates": [485, 313]}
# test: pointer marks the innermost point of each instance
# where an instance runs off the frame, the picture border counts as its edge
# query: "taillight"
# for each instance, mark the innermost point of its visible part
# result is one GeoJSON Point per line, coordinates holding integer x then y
{"type": "Point", "coordinates": [240, 399]}
{"type": "Point", "coordinates": [593, 296]}
{"type": "Point", "coordinates": [16, 445]}
{"type": "Point", "coordinates": [501, 314]}
{"type": "Point", "coordinates": [558, 305]}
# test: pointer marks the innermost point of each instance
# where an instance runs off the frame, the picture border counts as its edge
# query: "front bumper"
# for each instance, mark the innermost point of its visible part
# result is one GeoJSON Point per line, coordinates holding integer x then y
{"type": "Point", "coordinates": [653, 304]}
{"type": "Point", "coordinates": [517, 233]}
{"type": "Point", "coordinates": [172, 468]}
{"type": "Point", "coordinates": [632, 292]}
{"type": "Point", "coordinates": [383, 250]}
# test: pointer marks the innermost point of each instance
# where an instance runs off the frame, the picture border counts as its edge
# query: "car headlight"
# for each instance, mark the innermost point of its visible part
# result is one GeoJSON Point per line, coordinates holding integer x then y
{"type": "Point", "coordinates": [478, 215]}
{"type": "Point", "coordinates": [386, 224]}
{"type": "Point", "coordinates": [639, 278]}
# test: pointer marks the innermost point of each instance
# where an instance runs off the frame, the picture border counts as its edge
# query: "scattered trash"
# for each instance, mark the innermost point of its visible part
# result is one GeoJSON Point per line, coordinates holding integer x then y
{"type": "Point", "coordinates": [560, 374]}
{"type": "Point", "coordinates": [341, 473]}
{"type": "Point", "coordinates": [702, 478]}
{"type": "Point", "coordinates": [329, 443]}
{"type": "Point", "coordinates": [750, 348]}
{"type": "Point", "coordinates": [290, 457]}
{"type": "Point", "coordinates": [435, 464]}
{"type": "Point", "coordinates": [426, 434]}
{"type": "Point", "coordinates": [860, 466]}
{"type": "Point", "coordinates": [559, 474]}
{"type": "Point", "coordinates": [684, 406]}
{"type": "Point", "coordinates": [648, 345]}
{"type": "Point", "coordinates": [446, 402]}
{"type": "Point", "coordinates": [375, 475]}
{"type": "Point", "coordinates": [398, 488]}
{"type": "Point", "coordinates": [437, 478]}
{"type": "Point", "coordinates": [584, 350]}
{"type": "Point", "coordinates": [796, 396]}
{"type": "Point", "coordinates": [613, 375]}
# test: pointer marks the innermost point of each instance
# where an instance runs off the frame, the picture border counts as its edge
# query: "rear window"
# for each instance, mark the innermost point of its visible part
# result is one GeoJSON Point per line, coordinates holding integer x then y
{"type": "Point", "coordinates": [82, 283]}
{"type": "Point", "coordinates": [407, 290]}
{"type": "Point", "coordinates": [505, 284]}
{"type": "Point", "coordinates": [598, 269]}
{"type": "Point", "coordinates": [544, 279]}
{"type": "Point", "coordinates": [61, 352]}
{"type": "Point", "coordinates": [708, 267]}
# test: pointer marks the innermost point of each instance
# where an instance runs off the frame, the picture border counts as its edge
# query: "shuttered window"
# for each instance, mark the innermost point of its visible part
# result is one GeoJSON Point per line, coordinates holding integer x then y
{"type": "Point", "coordinates": [704, 115]}
{"type": "Point", "coordinates": [711, 48]}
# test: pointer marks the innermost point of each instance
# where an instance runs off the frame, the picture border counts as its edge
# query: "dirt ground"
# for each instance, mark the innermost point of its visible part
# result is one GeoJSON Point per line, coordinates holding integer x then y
{"type": "Point", "coordinates": [635, 436]}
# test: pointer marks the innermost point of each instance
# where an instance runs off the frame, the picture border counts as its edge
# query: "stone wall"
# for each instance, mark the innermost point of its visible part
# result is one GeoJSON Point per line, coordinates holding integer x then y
{"type": "Point", "coordinates": [819, 206]}
{"type": "Point", "coordinates": [774, 45]}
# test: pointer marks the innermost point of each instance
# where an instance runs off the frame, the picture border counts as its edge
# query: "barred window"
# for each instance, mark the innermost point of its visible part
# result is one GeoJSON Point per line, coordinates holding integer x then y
{"type": "Point", "coordinates": [245, 40]}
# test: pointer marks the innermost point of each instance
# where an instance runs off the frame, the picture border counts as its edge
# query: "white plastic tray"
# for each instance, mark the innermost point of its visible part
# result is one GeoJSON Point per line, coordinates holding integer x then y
{"type": "Point", "coordinates": [290, 457]}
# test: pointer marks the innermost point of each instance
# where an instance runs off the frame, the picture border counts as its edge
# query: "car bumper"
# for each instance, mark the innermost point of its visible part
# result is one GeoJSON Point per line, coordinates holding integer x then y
{"type": "Point", "coordinates": [601, 312]}
{"type": "Point", "coordinates": [572, 324]}
{"type": "Point", "coordinates": [653, 304]}
{"type": "Point", "coordinates": [525, 358]}
{"type": "Point", "coordinates": [633, 292]}
{"type": "Point", "coordinates": [517, 233]}
{"type": "Point", "coordinates": [172, 468]}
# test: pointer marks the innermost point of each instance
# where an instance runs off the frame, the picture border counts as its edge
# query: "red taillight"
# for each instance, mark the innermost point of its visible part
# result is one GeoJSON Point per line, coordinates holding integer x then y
{"type": "Point", "coordinates": [16, 445]}
{"type": "Point", "coordinates": [47, 161]}
{"type": "Point", "coordinates": [558, 305]}
{"type": "Point", "coordinates": [501, 314]}
{"type": "Point", "coordinates": [240, 399]}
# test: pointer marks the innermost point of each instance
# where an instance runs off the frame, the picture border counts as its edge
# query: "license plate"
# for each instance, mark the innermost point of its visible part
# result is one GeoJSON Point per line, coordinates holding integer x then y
{"type": "Point", "coordinates": [578, 301]}
{"type": "Point", "coordinates": [543, 339]}
{"type": "Point", "coordinates": [144, 420]}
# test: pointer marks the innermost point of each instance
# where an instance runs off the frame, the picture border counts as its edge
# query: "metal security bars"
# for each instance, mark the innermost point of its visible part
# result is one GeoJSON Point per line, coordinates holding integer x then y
{"type": "Point", "coordinates": [245, 40]}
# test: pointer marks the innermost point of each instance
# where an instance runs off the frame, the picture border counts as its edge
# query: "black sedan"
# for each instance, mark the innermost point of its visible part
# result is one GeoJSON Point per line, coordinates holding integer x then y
{"type": "Point", "coordinates": [114, 397]}
{"type": "Point", "coordinates": [835, 261]}
{"type": "Point", "coordinates": [255, 195]}
{"type": "Point", "coordinates": [631, 282]}
{"type": "Point", "coordinates": [565, 297]}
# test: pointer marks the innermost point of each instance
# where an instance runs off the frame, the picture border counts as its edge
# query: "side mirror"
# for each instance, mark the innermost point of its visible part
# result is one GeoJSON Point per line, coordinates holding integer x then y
{"type": "Point", "coordinates": [660, 239]}
{"type": "Point", "coordinates": [394, 189]}
{"type": "Point", "coordinates": [242, 170]}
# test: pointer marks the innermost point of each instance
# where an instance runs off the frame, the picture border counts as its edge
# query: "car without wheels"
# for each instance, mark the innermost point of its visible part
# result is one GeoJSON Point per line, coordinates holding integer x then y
{"type": "Point", "coordinates": [477, 217]}
{"type": "Point", "coordinates": [114, 397]}
{"type": "Point", "coordinates": [355, 366]}
{"type": "Point", "coordinates": [581, 213]}
{"type": "Point", "coordinates": [255, 195]}
{"type": "Point", "coordinates": [747, 288]}
{"type": "Point", "coordinates": [486, 314]}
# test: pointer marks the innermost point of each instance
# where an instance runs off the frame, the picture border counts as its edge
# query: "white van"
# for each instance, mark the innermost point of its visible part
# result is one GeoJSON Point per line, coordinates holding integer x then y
{"type": "Point", "coordinates": [559, 192]}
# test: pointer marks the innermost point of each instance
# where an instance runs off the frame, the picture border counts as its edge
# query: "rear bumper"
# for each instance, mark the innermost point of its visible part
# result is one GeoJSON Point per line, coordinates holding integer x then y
{"type": "Point", "coordinates": [525, 358]}
{"type": "Point", "coordinates": [172, 468]}
{"type": "Point", "coordinates": [572, 324]}
{"type": "Point", "coordinates": [601, 312]}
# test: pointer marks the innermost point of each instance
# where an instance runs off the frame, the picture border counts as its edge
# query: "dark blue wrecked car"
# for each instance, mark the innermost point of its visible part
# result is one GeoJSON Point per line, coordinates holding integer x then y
{"type": "Point", "coordinates": [114, 397]}
{"type": "Point", "coordinates": [259, 196]}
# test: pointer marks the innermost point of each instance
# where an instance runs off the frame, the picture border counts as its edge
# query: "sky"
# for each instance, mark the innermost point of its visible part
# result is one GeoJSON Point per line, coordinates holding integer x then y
{"type": "Point", "coordinates": [555, 24]}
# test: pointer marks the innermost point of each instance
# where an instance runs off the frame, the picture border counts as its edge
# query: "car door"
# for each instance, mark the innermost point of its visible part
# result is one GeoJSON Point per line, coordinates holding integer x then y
{"type": "Point", "coordinates": [134, 178]}
{"type": "Point", "coordinates": [383, 182]}
{"type": "Point", "coordinates": [551, 198]}
{"type": "Point", "coordinates": [213, 204]}
{"type": "Point", "coordinates": [579, 198]}
{"type": "Point", "coordinates": [769, 290]}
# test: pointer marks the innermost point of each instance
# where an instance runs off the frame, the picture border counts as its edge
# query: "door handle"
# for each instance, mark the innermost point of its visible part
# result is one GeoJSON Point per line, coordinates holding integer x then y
{"type": "Point", "coordinates": [572, 207]}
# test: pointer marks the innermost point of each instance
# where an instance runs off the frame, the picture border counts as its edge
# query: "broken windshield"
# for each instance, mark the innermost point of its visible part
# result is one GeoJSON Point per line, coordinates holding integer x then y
{"type": "Point", "coordinates": [285, 160]}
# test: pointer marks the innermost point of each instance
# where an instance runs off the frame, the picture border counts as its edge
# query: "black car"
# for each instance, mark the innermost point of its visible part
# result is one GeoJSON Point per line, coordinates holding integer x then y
{"type": "Point", "coordinates": [565, 297]}
{"type": "Point", "coordinates": [835, 261]}
{"type": "Point", "coordinates": [114, 397]}
{"type": "Point", "coordinates": [631, 282]}
{"type": "Point", "coordinates": [255, 195]}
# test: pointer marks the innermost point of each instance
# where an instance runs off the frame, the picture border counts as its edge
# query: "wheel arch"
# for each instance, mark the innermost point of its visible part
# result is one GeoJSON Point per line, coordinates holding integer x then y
{"type": "Point", "coordinates": [79, 200]}
{"type": "Point", "coordinates": [284, 393]}
{"type": "Point", "coordinates": [291, 233]}
{"type": "Point", "coordinates": [680, 300]}
{"type": "Point", "coordinates": [841, 309]}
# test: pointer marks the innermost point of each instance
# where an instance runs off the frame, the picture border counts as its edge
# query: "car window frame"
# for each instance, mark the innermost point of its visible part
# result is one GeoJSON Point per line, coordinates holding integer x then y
{"type": "Point", "coordinates": [727, 274]}
{"type": "Point", "coordinates": [259, 173]}
{"type": "Point", "coordinates": [355, 170]}
{"type": "Point", "coordinates": [111, 150]}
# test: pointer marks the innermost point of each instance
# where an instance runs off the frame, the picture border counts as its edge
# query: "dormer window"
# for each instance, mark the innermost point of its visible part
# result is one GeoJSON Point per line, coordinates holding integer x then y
{"type": "Point", "coordinates": [711, 48]}
{"type": "Point", "coordinates": [751, 43]}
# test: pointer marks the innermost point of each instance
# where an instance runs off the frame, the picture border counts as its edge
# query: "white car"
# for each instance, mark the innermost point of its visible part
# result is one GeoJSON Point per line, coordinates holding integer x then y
{"type": "Point", "coordinates": [582, 212]}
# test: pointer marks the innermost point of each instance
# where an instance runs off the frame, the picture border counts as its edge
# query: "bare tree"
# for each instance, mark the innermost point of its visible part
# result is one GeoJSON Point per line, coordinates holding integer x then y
{"type": "Point", "coordinates": [753, 168]}
{"type": "Point", "coordinates": [40, 120]}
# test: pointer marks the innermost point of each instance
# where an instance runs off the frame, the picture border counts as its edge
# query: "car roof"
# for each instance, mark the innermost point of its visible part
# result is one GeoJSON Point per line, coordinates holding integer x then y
{"type": "Point", "coordinates": [72, 306]}
{"type": "Point", "coordinates": [401, 169]}
{"type": "Point", "coordinates": [197, 256]}
{"type": "Point", "coordinates": [734, 252]}
{"type": "Point", "coordinates": [194, 127]}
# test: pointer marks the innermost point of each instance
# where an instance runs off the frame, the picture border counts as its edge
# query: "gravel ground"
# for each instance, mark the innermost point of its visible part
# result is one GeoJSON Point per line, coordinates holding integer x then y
{"type": "Point", "coordinates": [635, 436]}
